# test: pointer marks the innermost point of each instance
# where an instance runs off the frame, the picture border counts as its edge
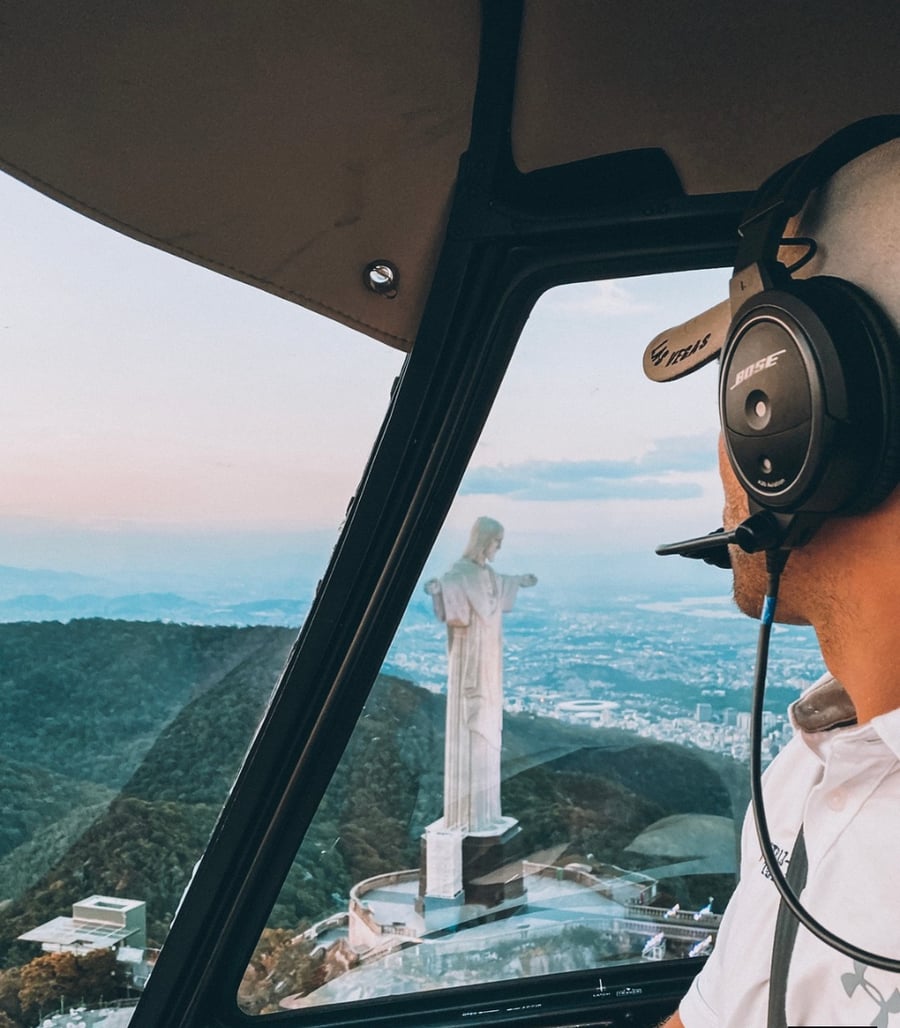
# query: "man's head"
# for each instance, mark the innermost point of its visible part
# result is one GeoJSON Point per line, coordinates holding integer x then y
{"type": "Point", "coordinates": [854, 219]}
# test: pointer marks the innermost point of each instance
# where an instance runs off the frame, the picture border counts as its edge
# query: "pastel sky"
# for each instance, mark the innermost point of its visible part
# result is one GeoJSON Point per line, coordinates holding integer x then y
{"type": "Point", "coordinates": [157, 415]}
{"type": "Point", "coordinates": [582, 456]}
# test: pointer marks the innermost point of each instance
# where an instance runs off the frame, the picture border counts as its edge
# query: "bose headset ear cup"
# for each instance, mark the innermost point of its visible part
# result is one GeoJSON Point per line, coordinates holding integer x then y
{"type": "Point", "coordinates": [769, 404]}
{"type": "Point", "coordinates": [810, 399]}
{"type": "Point", "coordinates": [809, 386]}
{"type": "Point", "coordinates": [868, 348]}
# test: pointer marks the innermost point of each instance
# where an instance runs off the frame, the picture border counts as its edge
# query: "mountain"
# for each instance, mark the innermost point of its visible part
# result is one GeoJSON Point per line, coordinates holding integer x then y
{"type": "Point", "coordinates": [164, 714]}
{"type": "Point", "coordinates": [88, 698]}
{"type": "Point", "coordinates": [23, 581]}
{"type": "Point", "coordinates": [166, 607]}
{"type": "Point", "coordinates": [282, 599]}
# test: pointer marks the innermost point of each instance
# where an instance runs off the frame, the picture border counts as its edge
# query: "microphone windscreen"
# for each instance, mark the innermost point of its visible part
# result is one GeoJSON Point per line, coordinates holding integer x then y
{"type": "Point", "coordinates": [711, 548]}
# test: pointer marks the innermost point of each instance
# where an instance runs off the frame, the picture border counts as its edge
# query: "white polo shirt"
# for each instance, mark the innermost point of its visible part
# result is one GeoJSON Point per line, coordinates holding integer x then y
{"type": "Point", "coordinates": [844, 784]}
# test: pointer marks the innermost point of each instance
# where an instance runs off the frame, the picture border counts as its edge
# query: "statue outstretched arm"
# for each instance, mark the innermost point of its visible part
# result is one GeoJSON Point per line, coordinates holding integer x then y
{"type": "Point", "coordinates": [526, 581]}
{"type": "Point", "coordinates": [434, 590]}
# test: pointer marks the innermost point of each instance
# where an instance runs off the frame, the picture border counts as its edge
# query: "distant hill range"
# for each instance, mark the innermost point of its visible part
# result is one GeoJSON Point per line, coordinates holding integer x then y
{"type": "Point", "coordinates": [169, 607]}
{"type": "Point", "coordinates": [28, 594]}
{"type": "Point", "coordinates": [121, 739]}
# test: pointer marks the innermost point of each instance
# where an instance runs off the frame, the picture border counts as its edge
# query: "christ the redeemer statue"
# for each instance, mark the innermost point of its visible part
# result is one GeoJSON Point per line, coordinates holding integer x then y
{"type": "Point", "coordinates": [471, 599]}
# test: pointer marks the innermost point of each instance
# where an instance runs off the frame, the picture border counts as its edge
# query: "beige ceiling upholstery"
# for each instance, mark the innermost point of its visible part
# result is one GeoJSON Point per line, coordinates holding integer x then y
{"type": "Point", "coordinates": [288, 143]}
{"type": "Point", "coordinates": [285, 143]}
{"type": "Point", "coordinates": [729, 90]}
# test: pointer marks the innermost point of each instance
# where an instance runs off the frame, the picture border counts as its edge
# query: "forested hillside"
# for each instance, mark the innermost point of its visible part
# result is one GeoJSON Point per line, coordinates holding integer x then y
{"type": "Point", "coordinates": [121, 740]}
{"type": "Point", "coordinates": [126, 738]}
{"type": "Point", "coordinates": [87, 698]}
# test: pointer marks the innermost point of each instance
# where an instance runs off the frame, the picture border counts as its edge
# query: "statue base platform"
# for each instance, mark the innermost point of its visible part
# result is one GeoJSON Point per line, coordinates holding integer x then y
{"type": "Point", "coordinates": [441, 875]}
{"type": "Point", "coordinates": [492, 863]}
{"type": "Point", "coordinates": [482, 867]}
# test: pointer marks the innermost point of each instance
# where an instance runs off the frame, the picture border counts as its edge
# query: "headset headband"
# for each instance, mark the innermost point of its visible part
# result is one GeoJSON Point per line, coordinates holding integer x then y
{"type": "Point", "coordinates": [681, 349]}
{"type": "Point", "coordinates": [785, 192]}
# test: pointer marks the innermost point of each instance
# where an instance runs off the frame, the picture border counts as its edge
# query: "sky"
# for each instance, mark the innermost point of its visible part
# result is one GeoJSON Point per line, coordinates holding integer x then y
{"type": "Point", "coordinates": [582, 457]}
{"type": "Point", "coordinates": [168, 424]}
{"type": "Point", "coordinates": [158, 415]}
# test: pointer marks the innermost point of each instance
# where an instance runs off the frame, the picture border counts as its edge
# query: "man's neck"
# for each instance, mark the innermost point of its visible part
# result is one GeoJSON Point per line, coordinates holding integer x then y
{"type": "Point", "coordinates": [861, 648]}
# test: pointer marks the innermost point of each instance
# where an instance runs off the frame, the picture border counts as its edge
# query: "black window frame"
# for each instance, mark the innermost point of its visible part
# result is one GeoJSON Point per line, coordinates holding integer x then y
{"type": "Point", "coordinates": [509, 238]}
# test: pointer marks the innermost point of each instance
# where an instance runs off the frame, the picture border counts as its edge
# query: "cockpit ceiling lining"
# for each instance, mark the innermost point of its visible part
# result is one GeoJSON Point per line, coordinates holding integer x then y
{"type": "Point", "coordinates": [289, 145]}
{"type": "Point", "coordinates": [285, 145]}
{"type": "Point", "coordinates": [730, 93]}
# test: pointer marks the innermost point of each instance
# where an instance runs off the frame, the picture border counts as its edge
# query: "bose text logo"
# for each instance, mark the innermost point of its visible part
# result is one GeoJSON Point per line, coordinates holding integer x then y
{"type": "Point", "coordinates": [659, 352]}
{"type": "Point", "coordinates": [752, 369]}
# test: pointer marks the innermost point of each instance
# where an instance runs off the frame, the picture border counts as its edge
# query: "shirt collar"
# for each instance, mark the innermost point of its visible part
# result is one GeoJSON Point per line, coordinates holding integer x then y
{"type": "Point", "coordinates": [826, 705]}
{"type": "Point", "coordinates": [888, 727]}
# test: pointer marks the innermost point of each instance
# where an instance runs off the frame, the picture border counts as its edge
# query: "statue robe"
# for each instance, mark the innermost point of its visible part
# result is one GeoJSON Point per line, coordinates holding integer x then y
{"type": "Point", "coordinates": [473, 599]}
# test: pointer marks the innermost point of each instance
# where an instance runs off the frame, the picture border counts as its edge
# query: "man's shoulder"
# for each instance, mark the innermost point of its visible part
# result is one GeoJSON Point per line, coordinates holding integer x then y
{"type": "Point", "coordinates": [825, 705]}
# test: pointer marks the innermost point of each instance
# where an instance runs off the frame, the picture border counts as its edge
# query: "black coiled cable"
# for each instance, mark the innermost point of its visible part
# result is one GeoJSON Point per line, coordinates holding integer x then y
{"type": "Point", "coordinates": [775, 561]}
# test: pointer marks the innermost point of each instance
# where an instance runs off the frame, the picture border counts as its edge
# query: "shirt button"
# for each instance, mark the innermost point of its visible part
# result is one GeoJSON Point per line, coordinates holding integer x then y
{"type": "Point", "coordinates": [836, 799]}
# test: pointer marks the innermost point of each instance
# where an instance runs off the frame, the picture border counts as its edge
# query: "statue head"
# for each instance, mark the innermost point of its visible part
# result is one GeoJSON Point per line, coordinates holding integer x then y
{"type": "Point", "coordinates": [485, 532]}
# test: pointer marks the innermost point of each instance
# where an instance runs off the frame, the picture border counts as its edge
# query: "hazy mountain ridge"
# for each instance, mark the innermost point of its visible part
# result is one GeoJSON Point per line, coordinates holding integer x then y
{"type": "Point", "coordinates": [42, 594]}
{"type": "Point", "coordinates": [171, 608]}
{"type": "Point", "coordinates": [16, 581]}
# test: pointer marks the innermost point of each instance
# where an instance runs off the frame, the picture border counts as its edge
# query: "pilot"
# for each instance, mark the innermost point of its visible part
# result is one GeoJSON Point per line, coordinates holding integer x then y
{"type": "Point", "coordinates": [839, 777]}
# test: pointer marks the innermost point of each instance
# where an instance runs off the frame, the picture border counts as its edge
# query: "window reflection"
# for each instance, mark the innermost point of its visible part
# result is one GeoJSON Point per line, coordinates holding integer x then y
{"type": "Point", "coordinates": [622, 778]}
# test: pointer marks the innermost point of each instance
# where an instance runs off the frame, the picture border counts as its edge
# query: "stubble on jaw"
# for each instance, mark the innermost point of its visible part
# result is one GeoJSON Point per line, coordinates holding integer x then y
{"type": "Point", "coordinates": [748, 569]}
{"type": "Point", "coordinates": [750, 580]}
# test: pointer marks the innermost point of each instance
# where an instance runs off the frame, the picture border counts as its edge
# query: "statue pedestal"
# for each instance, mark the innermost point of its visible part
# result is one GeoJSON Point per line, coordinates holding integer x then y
{"type": "Point", "coordinates": [492, 863]}
{"type": "Point", "coordinates": [442, 862]}
{"type": "Point", "coordinates": [483, 868]}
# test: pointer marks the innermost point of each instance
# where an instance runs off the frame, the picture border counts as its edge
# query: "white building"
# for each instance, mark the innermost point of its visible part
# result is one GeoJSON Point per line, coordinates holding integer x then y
{"type": "Point", "coordinates": [98, 922]}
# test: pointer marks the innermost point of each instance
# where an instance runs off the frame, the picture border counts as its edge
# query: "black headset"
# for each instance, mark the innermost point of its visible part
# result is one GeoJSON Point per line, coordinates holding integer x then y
{"type": "Point", "coordinates": [809, 385]}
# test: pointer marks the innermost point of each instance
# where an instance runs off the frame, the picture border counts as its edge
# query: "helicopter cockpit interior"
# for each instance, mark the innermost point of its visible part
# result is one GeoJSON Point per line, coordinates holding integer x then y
{"type": "Point", "coordinates": [341, 683]}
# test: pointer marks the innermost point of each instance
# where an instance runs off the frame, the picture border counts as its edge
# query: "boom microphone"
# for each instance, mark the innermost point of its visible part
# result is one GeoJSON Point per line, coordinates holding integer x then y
{"type": "Point", "coordinates": [712, 548]}
{"type": "Point", "coordinates": [761, 531]}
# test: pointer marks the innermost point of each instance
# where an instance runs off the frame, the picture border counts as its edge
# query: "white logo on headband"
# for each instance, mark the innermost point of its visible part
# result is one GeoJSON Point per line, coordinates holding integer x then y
{"type": "Point", "coordinates": [659, 353]}
{"type": "Point", "coordinates": [752, 369]}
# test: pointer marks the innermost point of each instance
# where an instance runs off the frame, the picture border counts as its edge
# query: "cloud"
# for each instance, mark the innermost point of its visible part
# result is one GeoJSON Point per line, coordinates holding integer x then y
{"type": "Point", "coordinates": [607, 298]}
{"type": "Point", "coordinates": [649, 477]}
{"type": "Point", "coordinates": [681, 453]}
